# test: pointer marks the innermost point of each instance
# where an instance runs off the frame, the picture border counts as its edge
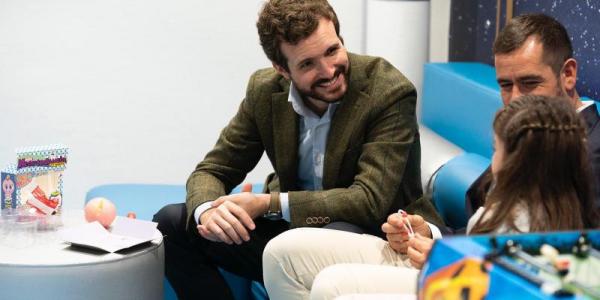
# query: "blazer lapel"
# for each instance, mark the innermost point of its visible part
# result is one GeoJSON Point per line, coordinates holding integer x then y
{"type": "Point", "coordinates": [285, 137]}
{"type": "Point", "coordinates": [590, 116]}
{"type": "Point", "coordinates": [343, 124]}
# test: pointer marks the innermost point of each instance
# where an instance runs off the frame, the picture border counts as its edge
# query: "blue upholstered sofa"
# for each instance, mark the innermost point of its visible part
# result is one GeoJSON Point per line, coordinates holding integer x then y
{"type": "Point", "coordinates": [457, 107]}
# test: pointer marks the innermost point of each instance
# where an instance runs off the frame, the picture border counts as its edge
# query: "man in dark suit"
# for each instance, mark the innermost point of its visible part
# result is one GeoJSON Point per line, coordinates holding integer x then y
{"type": "Point", "coordinates": [532, 55]}
{"type": "Point", "coordinates": [340, 131]}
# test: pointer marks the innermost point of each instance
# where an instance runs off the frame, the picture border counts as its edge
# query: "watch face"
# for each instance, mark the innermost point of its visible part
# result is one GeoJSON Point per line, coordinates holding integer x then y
{"type": "Point", "coordinates": [273, 216]}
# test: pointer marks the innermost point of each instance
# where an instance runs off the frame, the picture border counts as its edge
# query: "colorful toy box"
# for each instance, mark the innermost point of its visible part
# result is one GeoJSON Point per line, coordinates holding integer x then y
{"type": "Point", "coordinates": [36, 179]}
{"type": "Point", "coordinates": [514, 267]}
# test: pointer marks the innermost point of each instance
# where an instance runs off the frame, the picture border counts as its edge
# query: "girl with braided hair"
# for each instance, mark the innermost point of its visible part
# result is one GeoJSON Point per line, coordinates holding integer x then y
{"type": "Point", "coordinates": [542, 178]}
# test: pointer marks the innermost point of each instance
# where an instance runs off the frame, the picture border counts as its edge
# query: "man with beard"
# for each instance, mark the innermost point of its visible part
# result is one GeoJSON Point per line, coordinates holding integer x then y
{"type": "Point", "coordinates": [340, 131]}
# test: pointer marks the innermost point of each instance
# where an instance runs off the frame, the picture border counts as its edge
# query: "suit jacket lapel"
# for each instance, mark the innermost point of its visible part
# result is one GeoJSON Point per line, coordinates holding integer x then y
{"type": "Point", "coordinates": [590, 116]}
{"type": "Point", "coordinates": [343, 124]}
{"type": "Point", "coordinates": [285, 137]}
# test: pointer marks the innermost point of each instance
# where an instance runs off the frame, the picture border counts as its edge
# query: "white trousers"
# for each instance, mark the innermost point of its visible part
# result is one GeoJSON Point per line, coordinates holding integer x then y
{"type": "Point", "coordinates": [292, 261]}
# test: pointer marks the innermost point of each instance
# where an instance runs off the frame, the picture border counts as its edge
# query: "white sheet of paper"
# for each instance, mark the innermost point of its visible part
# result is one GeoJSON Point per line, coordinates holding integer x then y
{"type": "Point", "coordinates": [125, 233]}
{"type": "Point", "coordinates": [135, 228]}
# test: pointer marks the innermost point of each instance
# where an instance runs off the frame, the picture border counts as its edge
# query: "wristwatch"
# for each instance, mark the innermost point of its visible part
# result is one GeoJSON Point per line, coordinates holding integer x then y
{"type": "Point", "coordinates": [274, 212]}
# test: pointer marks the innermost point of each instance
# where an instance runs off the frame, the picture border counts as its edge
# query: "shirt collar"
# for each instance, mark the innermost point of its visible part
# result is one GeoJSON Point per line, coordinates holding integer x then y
{"type": "Point", "coordinates": [586, 103]}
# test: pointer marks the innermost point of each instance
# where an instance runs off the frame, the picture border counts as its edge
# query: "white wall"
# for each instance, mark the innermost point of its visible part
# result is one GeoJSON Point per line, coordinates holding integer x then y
{"type": "Point", "coordinates": [138, 89]}
{"type": "Point", "coordinates": [352, 14]}
{"type": "Point", "coordinates": [439, 30]}
{"type": "Point", "coordinates": [397, 31]}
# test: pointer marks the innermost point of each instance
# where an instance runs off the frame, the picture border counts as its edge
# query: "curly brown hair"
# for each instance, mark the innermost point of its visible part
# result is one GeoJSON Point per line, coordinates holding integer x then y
{"type": "Point", "coordinates": [290, 21]}
{"type": "Point", "coordinates": [545, 168]}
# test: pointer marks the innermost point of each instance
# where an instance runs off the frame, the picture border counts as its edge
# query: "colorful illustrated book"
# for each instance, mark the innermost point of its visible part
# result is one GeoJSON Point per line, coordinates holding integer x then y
{"type": "Point", "coordinates": [36, 179]}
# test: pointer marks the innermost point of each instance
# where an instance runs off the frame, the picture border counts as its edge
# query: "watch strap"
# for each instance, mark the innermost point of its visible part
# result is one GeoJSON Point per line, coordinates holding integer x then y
{"type": "Point", "coordinates": [274, 211]}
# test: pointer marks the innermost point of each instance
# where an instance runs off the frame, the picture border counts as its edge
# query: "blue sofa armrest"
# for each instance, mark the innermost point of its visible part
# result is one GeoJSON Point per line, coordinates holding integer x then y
{"type": "Point", "coordinates": [435, 152]}
{"type": "Point", "coordinates": [451, 184]}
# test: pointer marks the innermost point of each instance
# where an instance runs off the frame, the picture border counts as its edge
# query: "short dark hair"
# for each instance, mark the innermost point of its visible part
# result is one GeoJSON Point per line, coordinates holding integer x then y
{"type": "Point", "coordinates": [551, 33]}
{"type": "Point", "coordinates": [290, 21]}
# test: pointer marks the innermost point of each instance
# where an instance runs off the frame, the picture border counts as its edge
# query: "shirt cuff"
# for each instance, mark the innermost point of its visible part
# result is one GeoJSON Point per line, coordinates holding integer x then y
{"type": "Point", "coordinates": [285, 206]}
{"type": "Point", "coordinates": [202, 208]}
{"type": "Point", "coordinates": [435, 231]}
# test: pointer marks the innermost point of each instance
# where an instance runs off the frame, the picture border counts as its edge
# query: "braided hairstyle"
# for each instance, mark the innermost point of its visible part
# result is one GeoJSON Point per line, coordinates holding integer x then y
{"type": "Point", "coordinates": [545, 168]}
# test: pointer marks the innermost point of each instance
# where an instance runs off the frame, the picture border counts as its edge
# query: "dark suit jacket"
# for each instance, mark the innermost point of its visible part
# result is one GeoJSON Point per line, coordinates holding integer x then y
{"type": "Point", "coordinates": [476, 193]}
{"type": "Point", "coordinates": [592, 120]}
{"type": "Point", "coordinates": [372, 160]}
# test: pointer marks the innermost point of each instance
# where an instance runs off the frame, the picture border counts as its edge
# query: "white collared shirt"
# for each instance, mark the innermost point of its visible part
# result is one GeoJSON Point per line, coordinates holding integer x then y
{"type": "Point", "coordinates": [312, 142]}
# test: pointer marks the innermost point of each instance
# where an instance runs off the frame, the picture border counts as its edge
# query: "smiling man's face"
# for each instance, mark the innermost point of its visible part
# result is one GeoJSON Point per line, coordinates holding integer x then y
{"type": "Point", "coordinates": [523, 71]}
{"type": "Point", "coordinates": [318, 65]}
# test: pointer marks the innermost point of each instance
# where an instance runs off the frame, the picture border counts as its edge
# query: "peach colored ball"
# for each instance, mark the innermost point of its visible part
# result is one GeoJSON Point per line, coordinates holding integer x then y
{"type": "Point", "coordinates": [101, 210]}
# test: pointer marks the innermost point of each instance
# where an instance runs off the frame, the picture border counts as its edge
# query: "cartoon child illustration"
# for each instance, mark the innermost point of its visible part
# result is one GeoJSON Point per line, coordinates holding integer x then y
{"type": "Point", "coordinates": [8, 187]}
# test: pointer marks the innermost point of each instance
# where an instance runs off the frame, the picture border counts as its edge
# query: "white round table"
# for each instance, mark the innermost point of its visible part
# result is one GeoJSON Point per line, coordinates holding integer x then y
{"type": "Point", "coordinates": [52, 269]}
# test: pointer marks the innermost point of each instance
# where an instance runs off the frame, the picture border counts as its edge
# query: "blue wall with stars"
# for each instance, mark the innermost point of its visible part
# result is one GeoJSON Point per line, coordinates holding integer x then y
{"type": "Point", "coordinates": [473, 29]}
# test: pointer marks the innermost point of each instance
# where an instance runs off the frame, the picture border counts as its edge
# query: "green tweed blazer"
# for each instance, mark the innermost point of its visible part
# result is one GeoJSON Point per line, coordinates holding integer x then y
{"type": "Point", "coordinates": [372, 158]}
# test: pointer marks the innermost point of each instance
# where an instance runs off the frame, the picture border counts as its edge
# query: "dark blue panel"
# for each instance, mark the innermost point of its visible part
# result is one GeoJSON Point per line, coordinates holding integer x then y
{"type": "Point", "coordinates": [473, 28]}
{"type": "Point", "coordinates": [582, 20]}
